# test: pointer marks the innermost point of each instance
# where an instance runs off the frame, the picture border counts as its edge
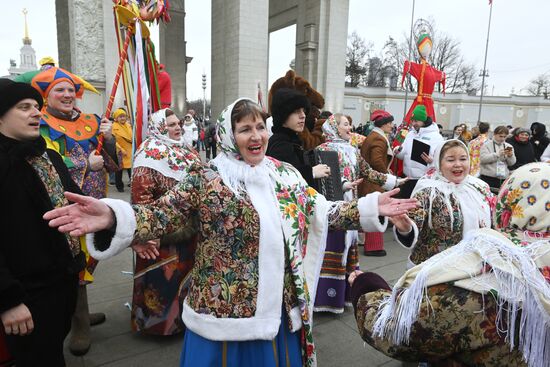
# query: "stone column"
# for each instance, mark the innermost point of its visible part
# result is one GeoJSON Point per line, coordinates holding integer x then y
{"type": "Point", "coordinates": [81, 45]}
{"type": "Point", "coordinates": [239, 50]}
{"type": "Point", "coordinates": [321, 40]}
{"type": "Point", "coordinates": [173, 54]}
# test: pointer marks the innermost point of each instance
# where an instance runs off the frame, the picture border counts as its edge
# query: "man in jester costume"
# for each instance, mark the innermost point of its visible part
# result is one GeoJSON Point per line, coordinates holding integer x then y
{"type": "Point", "coordinates": [74, 135]}
{"type": "Point", "coordinates": [427, 76]}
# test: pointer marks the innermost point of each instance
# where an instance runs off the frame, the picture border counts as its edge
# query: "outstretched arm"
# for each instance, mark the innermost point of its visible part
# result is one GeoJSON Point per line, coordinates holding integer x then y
{"type": "Point", "coordinates": [139, 222]}
{"type": "Point", "coordinates": [368, 213]}
{"type": "Point", "coordinates": [85, 215]}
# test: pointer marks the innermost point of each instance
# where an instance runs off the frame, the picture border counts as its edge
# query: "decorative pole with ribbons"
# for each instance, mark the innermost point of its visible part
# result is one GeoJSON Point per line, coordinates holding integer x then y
{"type": "Point", "coordinates": [114, 88]}
{"type": "Point", "coordinates": [127, 18]}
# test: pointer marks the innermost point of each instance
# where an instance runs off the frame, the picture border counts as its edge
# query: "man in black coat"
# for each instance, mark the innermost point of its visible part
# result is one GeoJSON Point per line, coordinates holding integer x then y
{"type": "Point", "coordinates": [38, 265]}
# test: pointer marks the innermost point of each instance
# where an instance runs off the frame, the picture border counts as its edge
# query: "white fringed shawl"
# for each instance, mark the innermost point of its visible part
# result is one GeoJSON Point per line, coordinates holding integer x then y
{"type": "Point", "coordinates": [515, 276]}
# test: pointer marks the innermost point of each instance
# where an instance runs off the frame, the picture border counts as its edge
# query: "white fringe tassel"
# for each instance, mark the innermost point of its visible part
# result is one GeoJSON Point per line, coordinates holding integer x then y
{"type": "Point", "coordinates": [521, 288]}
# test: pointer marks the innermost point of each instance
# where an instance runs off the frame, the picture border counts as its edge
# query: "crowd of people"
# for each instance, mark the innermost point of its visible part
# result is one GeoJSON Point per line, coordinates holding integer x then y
{"type": "Point", "coordinates": [238, 250]}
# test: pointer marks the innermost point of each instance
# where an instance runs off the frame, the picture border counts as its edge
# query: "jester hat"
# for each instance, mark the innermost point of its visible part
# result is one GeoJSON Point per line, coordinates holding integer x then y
{"type": "Point", "coordinates": [44, 81]}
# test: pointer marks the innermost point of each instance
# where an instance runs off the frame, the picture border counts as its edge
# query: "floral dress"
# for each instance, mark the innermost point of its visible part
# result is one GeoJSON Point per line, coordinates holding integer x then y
{"type": "Point", "coordinates": [161, 285]}
{"type": "Point", "coordinates": [342, 254]}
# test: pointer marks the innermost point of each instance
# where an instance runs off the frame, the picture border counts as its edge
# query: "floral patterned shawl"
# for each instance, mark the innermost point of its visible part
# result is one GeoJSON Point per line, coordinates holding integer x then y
{"type": "Point", "coordinates": [169, 157]}
{"type": "Point", "coordinates": [511, 263]}
{"type": "Point", "coordinates": [277, 192]}
{"type": "Point", "coordinates": [473, 194]}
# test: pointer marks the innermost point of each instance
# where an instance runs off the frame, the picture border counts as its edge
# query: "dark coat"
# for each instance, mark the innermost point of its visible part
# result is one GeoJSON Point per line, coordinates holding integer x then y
{"type": "Point", "coordinates": [524, 153]}
{"type": "Point", "coordinates": [374, 150]}
{"type": "Point", "coordinates": [33, 256]}
{"type": "Point", "coordinates": [286, 146]}
{"type": "Point", "coordinates": [539, 140]}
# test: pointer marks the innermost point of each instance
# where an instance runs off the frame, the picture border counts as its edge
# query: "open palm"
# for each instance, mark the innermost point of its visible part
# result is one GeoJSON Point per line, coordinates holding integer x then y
{"type": "Point", "coordinates": [389, 207]}
{"type": "Point", "coordinates": [86, 215]}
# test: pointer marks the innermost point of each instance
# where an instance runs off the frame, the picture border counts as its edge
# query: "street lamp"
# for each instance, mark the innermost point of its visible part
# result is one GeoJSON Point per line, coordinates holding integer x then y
{"type": "Point", "coordinates": [204, 96]}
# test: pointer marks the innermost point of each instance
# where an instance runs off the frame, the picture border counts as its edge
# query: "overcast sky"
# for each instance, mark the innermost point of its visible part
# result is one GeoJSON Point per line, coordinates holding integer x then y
{"type": "Point", "coordinates": [519, 47]}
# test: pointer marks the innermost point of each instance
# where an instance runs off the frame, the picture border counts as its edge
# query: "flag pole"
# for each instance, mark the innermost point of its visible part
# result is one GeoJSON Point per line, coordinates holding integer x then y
{"type": "Point", "coordinates": [485, 62]}
{"type": "Point", "coordinates": [409, 57]}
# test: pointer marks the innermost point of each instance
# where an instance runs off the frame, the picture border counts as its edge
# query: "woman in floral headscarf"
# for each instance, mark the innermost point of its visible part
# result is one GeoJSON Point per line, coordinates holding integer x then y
{"type": "Point", "coordinates": [161, 284]}
{"type": "Point", "coordinates": [483, 302]}
{"type": "Point", "coordinates": [341, 256]}
{"type": "Point", "coordinates": [451, 203]}
{"type": "Point", "coordinates": [261, 242]}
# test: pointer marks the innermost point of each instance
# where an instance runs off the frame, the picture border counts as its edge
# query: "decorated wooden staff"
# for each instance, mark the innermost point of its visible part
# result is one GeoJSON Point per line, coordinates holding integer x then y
{"type": "Point", "coordinates": [128, 19]}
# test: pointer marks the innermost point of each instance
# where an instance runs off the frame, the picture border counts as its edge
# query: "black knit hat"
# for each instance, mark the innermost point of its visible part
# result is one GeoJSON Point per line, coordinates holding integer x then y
{"type": "Point", "coordinates": [12, 93]}
{"type": "Point", "coordinates": [285, 102]}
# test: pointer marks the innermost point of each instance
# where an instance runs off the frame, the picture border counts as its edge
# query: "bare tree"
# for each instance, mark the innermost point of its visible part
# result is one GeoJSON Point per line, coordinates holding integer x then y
{"type": "Point", "coordinates": [357, 52]}
{"type": "Point", "coordinates": [395, 55]}
{"type": "Point", "coordinates": [539, 86]}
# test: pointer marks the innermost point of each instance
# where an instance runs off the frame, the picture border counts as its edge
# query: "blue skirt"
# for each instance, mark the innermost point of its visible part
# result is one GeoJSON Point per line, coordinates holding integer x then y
{"type": "Point", "coordinates": [284, 351]}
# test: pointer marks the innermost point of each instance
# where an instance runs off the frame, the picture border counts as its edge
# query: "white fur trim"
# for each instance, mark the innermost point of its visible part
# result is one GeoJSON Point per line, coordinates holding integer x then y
{"type": "Point", "coordinates": [233, 329]}
{"type": "Point", "coordinates": [368, 214]}
{"type": "Point", "coordinates": [124, 234]}
{"type": "Point", "coordinates": [415, 238]}
{"type": "Point", "coordinates": [391, 182]}
{"type": "Point", "coordinates": [271, 257]}
{"type": "Point", "coordinates": [317, 242]}
{"type": "Point", "coordinates": [296, 319]}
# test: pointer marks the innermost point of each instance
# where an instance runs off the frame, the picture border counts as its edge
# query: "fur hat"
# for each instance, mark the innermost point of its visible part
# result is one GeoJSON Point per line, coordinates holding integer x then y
{"type": "Point", "coordinates": [12, 93]}
{"type": "Point", "coordinates": [285, 102]}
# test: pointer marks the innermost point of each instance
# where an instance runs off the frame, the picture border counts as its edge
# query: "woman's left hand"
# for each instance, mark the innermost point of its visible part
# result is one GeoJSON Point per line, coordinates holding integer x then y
{"type": "Point", "coordinates": [389, 207]}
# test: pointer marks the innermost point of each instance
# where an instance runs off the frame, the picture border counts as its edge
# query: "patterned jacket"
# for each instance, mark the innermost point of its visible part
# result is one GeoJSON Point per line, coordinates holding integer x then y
{"type": "Point", "coordinates": [425, 241]}
{"type": "Point", "coordinates": [229, 291]}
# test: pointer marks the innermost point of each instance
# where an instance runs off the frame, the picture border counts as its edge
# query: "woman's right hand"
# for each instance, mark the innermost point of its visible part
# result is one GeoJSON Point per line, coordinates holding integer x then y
{"type": "Point", "coordinates": [402, 223]}
{"type": "Point", "coordinates": [148, 250]}
{"type": "Point", "coordinates": [86, 215]}
{"type": "Point", "coordinates": [321, 171]}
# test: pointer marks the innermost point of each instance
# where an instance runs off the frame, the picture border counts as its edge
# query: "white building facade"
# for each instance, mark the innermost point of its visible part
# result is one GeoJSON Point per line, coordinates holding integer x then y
{"type": "Point", "coordinates": [450, 109]}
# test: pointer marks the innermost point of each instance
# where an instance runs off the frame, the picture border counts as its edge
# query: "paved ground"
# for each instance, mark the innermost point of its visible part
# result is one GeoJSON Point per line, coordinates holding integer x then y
{"type": "Point", "coordinates": [114, 344]}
